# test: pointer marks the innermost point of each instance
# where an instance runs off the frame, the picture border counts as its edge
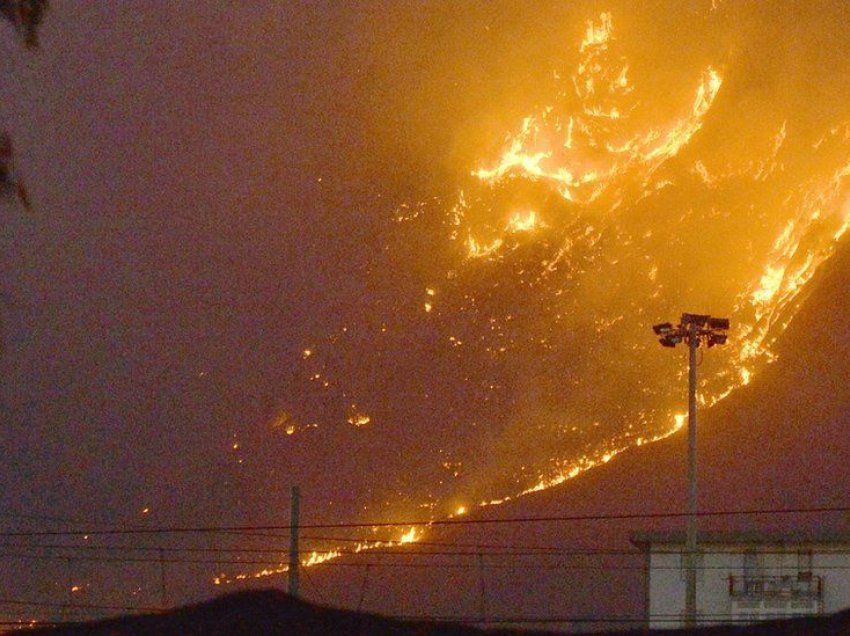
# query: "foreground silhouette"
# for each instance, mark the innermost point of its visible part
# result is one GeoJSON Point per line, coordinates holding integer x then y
{"type": "Point", "coordinates": [273, 612]}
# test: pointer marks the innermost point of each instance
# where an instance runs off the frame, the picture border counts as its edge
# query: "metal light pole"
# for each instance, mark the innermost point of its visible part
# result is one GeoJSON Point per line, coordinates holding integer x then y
{"type": "Point", "coordinates": [693, 329]}
{"type": "Point", "coordinates": [691, 547]}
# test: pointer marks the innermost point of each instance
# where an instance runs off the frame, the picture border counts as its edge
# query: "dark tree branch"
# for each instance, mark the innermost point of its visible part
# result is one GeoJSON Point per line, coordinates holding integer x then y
{"type": "Point", "coordinates": [26, 17]}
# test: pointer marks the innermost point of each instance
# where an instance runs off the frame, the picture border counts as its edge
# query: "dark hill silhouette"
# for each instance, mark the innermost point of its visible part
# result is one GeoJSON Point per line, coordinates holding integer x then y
{"type": "Point", "coordinates": [780, 442]}
{"type": "Point", "coordinates": [255, 612]}
{"type": "Point", "coordinates": [273, 612]}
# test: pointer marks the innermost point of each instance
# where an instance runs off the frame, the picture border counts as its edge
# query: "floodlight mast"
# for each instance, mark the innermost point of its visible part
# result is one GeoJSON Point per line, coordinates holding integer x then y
{"type": "Point", "coordinates": [691, 547]}
{"type": "Point", "coordinates": [694, 329]}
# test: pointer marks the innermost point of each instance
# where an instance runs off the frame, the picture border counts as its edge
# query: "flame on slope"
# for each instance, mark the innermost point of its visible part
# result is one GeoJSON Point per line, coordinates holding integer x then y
{"type": "Point", "coordinates": [552, 150]}
{"type": "Point", "coordinates": [772, 300]}
{"type": "Point", "coordinates": [414, 534]}
{"type": "Point", "coordinates": [823, 220]}
{"type": "Point", "coordinates": [549, 149]}
{"type": "Point", "coordinates": [523, 222]}
{"type": "Point", "coordinates": [801, 247]}
{"type": "Point", "coordinates": [317, 557]}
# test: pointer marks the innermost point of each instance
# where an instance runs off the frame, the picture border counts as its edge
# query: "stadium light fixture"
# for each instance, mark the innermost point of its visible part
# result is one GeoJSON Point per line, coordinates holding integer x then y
{"type": "Point", "coordinates": [694, 330]}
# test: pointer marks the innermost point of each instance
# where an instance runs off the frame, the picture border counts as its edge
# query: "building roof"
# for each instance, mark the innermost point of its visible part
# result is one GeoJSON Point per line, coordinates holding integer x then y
{"type": "Point", "coordinates": [645, 540]}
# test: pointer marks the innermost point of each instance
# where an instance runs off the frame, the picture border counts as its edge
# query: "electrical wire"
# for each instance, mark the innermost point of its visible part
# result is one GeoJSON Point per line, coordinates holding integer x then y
{"type": "Point", "coordinates": [433, 563]}
{"type": "Point", "coordinates": [403, 550]}
{"type": "Point", "coordinates": [433, 522]}
{"type": "Point", "coordinates": [120, 608]}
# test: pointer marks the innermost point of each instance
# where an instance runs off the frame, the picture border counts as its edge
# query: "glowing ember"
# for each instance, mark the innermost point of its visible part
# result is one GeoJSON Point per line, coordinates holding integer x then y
{"type": "Point", "coordinates": [410, 536]}
{"type": "Point", "coordinates": [523, 221]}
{"type": "Point", "coordinates": [356, 418]}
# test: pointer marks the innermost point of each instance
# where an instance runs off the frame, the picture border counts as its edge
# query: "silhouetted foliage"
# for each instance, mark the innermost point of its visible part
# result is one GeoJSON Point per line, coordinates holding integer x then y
{"type": "Point", "coordinates": [26, 17]}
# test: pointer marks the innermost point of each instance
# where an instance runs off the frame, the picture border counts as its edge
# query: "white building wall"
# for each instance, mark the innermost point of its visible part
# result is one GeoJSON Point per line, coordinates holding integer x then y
{"type": "Point", "coordinates": [667, 581]}
{"type": "Point", "coordinates": [666, 590]}
{"type": "Point", "coordinates": [834, 567]}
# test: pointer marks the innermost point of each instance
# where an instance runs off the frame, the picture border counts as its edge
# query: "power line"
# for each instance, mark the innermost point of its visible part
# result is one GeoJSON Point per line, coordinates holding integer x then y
{"type": "Point", "coordinates": [396, 543]}
{"type": "Point", "coordinates": [534, 567]}
{"type": "Point", "coordinates": [391, 543]}
{"type": "Point", "coordinates": [432, 563]}
{"type": "Point", "coordinates": [505, 620]}
{"type": "Point", "coordinates": [399, 550]}
{"type": "Point", "coordinates": [59, 546]}
{"type": "Point", "coordinates": [434, 522]}
{"type": "Point", "coordinates": [431, 559]}
{"type": "Point", "coordinates": [29, 603]}
{"type": "Point", "coordinates": [387, 553]}
{"type": "Point", "coordinates": [118, 559]}
{"type": "Point", "coordinates": [450, 618]}
{"type": "Point", "coordinates": [408, 549]}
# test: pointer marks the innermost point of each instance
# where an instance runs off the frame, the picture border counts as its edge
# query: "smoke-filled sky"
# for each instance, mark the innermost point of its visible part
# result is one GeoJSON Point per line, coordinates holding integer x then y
{"type": "Point", "coordinates": [405, 255]}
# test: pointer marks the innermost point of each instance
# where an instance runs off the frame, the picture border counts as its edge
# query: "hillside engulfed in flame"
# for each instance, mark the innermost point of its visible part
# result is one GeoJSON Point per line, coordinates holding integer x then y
{"type": "Point", "coordinates": [527, 355]}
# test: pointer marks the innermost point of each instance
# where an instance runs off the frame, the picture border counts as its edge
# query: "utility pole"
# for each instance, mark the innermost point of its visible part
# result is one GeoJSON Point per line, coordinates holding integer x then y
{"type": "Point", "coordinates": [294, 562]}
{"type": "Point", "coordinates": [693, 329]}
{"type": "Point", "coordinates": [163, 598]}
{"type": "Point", "coordinates": [482, 590]}
{"type": "Point", "coordinates": [691, 538]}
{"type": "Point", "coordinates": [69, 590]}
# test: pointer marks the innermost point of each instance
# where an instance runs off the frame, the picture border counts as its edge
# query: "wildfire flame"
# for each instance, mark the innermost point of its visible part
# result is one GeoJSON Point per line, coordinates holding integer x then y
{"type": "Point", "coordinates": [315, 557]}
{"type": "Point", "coordinates": [557, 152]}
{"type": "Point", "coordinates": [596, 219]}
